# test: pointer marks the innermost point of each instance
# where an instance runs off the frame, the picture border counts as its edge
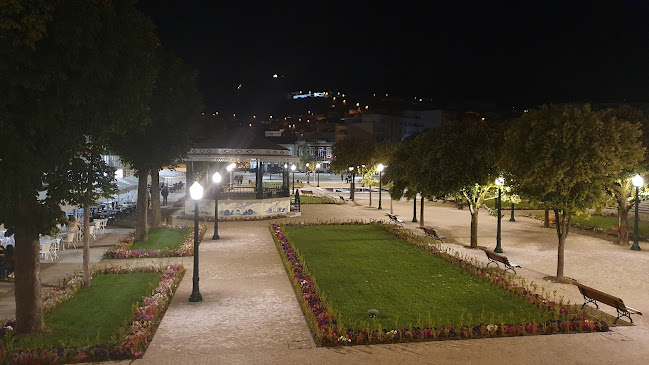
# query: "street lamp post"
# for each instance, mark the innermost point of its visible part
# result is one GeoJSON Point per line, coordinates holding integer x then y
{"type": "Point", "coordinates": [308, 181]}
{"type": "Point", "coordinates": [351, 184]}
{"type": "Point", "coordinates": [196, 193]}
{"type": "Point", "coordinates": [216, 178]}
{"type": "Point", "coordinates": [380, 167]}
{"type": "Point", "coordinates": [230, 168]}
{"type": "Point", "coordinates": [500, 182]}
{"type": "Point", "coordinates": [637, 182]}
{"type": "Point", "coordinates": [293, 170]}
{"type": "Point", "coordinates": [317, 172]}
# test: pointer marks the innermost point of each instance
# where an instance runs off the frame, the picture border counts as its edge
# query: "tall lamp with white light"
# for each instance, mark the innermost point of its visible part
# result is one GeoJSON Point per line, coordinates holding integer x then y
{"type": "Point", "coordinates": [499, 182]}
{"type": "Point", "coordinates": [196, 193]}
{"type": "Point", "coordinates": [380, 168]}
{"type": "Point", "coordinates": [216, 179]}
{"type": "Point", "coordinates": [317, 171]}
{"type": "Point", "coordinates": [293, 170]}
{"type": "Point", "coordinates": [637, 181]}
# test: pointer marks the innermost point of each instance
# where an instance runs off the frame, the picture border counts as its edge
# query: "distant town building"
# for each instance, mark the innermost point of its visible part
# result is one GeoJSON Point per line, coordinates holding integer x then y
{"type": "Point", "coordinates": [393, 127]}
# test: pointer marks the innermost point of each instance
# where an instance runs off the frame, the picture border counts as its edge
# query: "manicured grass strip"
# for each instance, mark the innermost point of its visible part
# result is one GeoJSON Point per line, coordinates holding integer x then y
{"type": "Point", "coordinates": [161, 238]}
{"type": "Point", "coordinates": [96, 315]}
{"type": "Point", "coordinates": [316, 200]}
{"type": "Point", "coordinates": [362, 267]}
{"type": "Point", "coordinates": [603, 222]}
{"type": "Point", "coordinates": [491, 203]}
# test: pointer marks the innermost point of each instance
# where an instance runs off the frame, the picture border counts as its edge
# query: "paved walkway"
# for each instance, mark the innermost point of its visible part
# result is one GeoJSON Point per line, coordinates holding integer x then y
{"type": "Point", "coordinates": [250, 314]}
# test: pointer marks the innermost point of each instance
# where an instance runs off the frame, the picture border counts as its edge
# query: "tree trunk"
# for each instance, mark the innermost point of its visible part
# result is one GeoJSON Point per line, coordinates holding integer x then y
{"type": "Point", "coordinates": [141, 229]}
{"type": "Point", "coordinates": [29, 314]}
{"type": "Point", "coordinates": [86, 245]}
{"type": "Point", "coordinates": [546, 222]}
{"type": "Point", "coordinates": [562, 223]}
{"type": "Point", "coordinates": [623, 223]}
{"type": "Point", "coordinates": [421, 212]}
{"type": "Point", "coordinates": [474, 226]}
{"type": "Point", "coordinates": [155, 198]}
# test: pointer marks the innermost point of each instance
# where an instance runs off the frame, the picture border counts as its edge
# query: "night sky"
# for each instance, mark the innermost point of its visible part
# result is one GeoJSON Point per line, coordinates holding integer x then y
{"type": "Point", "coordinates": [504, 52]}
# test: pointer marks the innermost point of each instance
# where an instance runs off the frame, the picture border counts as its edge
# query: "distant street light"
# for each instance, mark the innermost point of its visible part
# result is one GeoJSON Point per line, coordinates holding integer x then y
{"type": "Point", "coordinates": [317, 171]}
{"type": "Point", "coordinates": [380, 167]}
{"type": "Point", "coordinates": [293, 170]}
{"type": "Point", "coordinates": [230, 168]}
{"type": "Point", "coordinates": [637, 181]}
{"type": "Point", "coordinates": [216, 178]}
{"type": "Point", "coordinates": [499, 182]}
{"type": "Point", "coordinates": [307, 174]}
{"type": "Point", "coordinates": [196, 193]}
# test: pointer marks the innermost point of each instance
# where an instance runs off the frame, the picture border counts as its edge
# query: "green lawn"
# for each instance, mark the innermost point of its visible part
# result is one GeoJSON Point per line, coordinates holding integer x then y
{"type": "Point", "coordinates": [362, 267]}
{"type": "Point", "coordinates": [161, 238]}
{"type": "Point", "coordinates": [491, 203]}
{"type": "Point", "coordinates": [316, 200]}
{"type": "Point", "coordinates": [603, 222]}
{"type": "Point", "coordinates": [95, 315]}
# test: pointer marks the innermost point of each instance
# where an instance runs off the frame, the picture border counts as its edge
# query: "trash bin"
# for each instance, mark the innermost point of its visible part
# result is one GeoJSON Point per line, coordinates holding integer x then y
{"type": "Point", "coordinates": [169, 220]}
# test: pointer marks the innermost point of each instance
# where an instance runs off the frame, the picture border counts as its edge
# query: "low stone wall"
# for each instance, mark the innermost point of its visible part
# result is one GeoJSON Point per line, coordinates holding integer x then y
{"type": "Point", "coordinates": [240, 208]}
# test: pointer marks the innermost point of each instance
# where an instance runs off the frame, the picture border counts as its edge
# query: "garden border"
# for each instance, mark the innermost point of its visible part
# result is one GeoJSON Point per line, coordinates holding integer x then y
{"type": "Point", "coordinates": [146, 319]}
{"type": "Point", "coordinates": [324, 328]}
{"type": "Point", "coordinates": [121, 250]}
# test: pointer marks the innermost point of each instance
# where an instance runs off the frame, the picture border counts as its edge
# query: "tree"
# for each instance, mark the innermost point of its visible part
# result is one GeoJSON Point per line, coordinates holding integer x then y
{"type": "Point", "coordinates": [354, 153]}
{"type": "Point", "coordinates": [82, 182]}
{"type": "Point", "coordinates": [634, 160]}
{"type": "Point", "coordinates": [70, 71]}
{"type": "Point", "coordinates": [564, 156]}
{"type": "Point", "coordinates": [460, 157]}
{"type": "Point", "coordinates": [175, 116]}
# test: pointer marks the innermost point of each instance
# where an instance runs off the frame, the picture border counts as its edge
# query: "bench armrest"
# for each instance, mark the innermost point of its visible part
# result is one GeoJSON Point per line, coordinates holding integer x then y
{"type": "Point", "coordinates": [632, 310]}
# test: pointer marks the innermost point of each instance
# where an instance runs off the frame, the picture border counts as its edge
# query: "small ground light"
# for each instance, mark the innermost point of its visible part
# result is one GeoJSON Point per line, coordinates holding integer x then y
{"type": "Point", "coordinates": [372, 313]}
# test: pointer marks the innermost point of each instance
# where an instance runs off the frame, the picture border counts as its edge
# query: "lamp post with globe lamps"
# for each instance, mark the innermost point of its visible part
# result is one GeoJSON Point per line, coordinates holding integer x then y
{"type": "Point", "coordinates": [196, 193]}
{"type": "Point", "coordinates": [216, 179]}
{"type": "Point", "coordinates": [637, 181]}
{"type": "Point", "coordinates": [293, 170]}
{"type": "Point", "coordinates": [230, 168]}
{"type": "Point", "coordinates": [380, 168]}
{"type": "Point", "coordinates": [317, 171]}
{"type": "Point", "coordinates": [499, 182]}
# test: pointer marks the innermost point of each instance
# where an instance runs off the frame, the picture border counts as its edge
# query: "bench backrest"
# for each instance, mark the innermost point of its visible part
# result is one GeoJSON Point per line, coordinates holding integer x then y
{"type": "Point", "coordinates": [601, 296]}
{"type": "Point", "coordinates": [391, 216]}
{"type": "Point", "coordinates": [498, 257]}
{"type": "Point", "coordinates": [430, 231]}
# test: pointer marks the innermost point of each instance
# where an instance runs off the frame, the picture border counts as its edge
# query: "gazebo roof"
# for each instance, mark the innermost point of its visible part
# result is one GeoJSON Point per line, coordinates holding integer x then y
{"type": "Point", "coordinates": [239, 143]}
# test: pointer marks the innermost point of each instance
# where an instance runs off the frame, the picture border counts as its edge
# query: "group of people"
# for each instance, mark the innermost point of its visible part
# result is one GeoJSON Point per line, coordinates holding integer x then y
{"type": "Point", "coordinates": [238, 179]}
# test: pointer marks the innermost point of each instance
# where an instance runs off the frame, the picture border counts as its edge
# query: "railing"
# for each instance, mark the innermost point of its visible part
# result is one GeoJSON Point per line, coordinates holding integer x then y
{"type": "Point", "coordinates": [250, 192]}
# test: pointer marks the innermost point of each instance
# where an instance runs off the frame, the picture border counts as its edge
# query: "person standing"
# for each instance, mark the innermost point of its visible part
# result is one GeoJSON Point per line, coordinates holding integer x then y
{"type": "Point", "coordinates": [165, 193]}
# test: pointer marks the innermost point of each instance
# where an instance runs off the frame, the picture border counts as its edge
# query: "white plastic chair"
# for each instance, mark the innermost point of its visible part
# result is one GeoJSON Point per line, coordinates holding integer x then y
{"type": "Point", "coordinates": [97, 224]}
{"type": "Point", "coordinates": [46, 251]}
{"type": "Point", "coordinates": [104, 223]}
{"type": "Point", "coordinates": [69, 240]}
{"type": "Point", "coordinates": [91, 232]}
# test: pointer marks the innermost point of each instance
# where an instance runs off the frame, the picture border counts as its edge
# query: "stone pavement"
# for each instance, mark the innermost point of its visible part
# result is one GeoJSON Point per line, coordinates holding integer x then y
{"type": "Point", "coordinates": [250, 315]}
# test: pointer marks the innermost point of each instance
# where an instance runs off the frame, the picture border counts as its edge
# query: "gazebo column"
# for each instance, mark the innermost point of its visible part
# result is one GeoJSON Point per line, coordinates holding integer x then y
{"type": "Point", "coordinates": [260, 180]}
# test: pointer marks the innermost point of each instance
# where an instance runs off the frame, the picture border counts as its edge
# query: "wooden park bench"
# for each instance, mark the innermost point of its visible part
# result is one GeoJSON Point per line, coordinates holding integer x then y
{"type": "Point", "coordinates": [496, 258]}
{"type": "Point", "coordinates": [430, 232]}
{"type": "Point", "coordinates": [306, 192]}
{"type": "Point", "coordinates": [593, 295]}
{"type": "Point", "coordinates": [394, 219]}
{"type": "Point", "coordinates": [615, 231]}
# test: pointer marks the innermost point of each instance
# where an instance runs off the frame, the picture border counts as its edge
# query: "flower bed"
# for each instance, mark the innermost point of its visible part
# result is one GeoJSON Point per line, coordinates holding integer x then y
{"type": "Point", "coordinates": [122, 250]}
{"type": "Point", "coordinates": [146, 318]}
{"type": "Point", "coordinates": [324, 326]}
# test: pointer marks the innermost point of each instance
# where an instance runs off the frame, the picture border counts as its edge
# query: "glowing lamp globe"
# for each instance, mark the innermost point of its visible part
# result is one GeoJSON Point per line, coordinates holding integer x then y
{"type": "Point", "coordinates": [196, 191]}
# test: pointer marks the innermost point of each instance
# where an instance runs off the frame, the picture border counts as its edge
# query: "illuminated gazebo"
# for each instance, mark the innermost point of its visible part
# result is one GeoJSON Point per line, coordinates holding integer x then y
{"type": "Point", "coordinates": [249, 150]}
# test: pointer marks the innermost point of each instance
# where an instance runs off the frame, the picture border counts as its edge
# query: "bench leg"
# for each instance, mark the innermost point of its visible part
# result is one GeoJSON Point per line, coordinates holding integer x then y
{"type": "Point", "coordinates": [588, 300]}
{"type": "Point", "coordinates": [510, 268]}
{"type": "Point", "coordinates": [621, 314]}
{"type": "Point", "coordinates": [492, 262]}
